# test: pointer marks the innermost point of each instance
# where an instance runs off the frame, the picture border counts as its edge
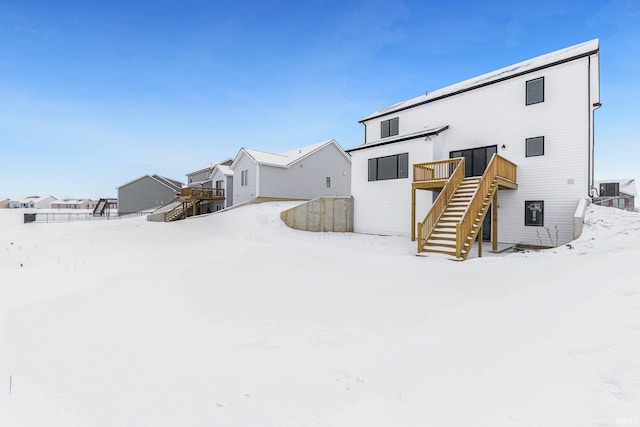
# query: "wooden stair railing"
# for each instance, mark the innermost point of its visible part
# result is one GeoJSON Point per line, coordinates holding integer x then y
{"type": "Point", "coordinates": [425, 228]}
{"type": "Point", "coordinates": [467, 230]}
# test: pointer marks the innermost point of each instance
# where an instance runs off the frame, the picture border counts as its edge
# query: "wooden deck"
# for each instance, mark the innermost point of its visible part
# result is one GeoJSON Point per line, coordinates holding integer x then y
{"type": "Point", "coordinates": [192, 194]}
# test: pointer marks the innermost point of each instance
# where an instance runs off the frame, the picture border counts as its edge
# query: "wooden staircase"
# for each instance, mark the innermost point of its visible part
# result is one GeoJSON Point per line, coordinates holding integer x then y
{"type": "Point", "coordinates": [178, 212]}
{"type": "Point", "coordinates": [455, 219]}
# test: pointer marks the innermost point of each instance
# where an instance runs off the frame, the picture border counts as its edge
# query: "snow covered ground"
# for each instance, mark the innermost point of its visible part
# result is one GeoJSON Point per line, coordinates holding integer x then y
{"type": "Point", "coordinates": [235, 320]}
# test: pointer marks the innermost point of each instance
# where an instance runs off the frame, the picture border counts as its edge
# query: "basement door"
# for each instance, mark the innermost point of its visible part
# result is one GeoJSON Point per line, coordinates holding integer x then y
{"type": "Point", "coordinates": [475, 162]}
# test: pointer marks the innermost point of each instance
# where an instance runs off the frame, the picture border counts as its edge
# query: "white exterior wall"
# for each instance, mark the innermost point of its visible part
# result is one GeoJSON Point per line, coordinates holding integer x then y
{"type": "Point", "coordinates": [307, 178]}
{"type": "Point", "coordinates": [218, 175]}
{"type": "Point", "coordinates": [384, 207]}
{"type": "Point", "coordinates": [249, 191]}
{"type": "Point", "coordinates": [495, 115]}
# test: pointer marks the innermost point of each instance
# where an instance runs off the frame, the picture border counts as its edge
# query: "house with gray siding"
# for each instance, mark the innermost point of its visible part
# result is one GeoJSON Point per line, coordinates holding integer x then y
{"type": "Point", "coordinates": [322, 169]}
{"type": "Point", "coordinates": [536, 117]}
{"type": "Point", "coordinates": [146, 193]}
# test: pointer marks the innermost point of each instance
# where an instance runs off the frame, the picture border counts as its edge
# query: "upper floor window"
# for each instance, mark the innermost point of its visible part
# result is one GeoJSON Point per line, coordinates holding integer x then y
{"type": "Point", "coordinates": [389, 167]}
{"type": "Point", "coordinates": [328, 182]}
{"type": "Point", "coordinates": [534, 146]}
{"type": "Point", "coordinates": [389, 127]}
{"type": "Point", "coordinates": [244, 178]}
{"type": "Point", "coordinates": [535, 91]}
{"type": "Point", "coordinates": [609, 189]}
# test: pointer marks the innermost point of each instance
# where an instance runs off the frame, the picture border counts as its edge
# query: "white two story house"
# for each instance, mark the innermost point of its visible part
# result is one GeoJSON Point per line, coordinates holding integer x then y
{"type": "Point", "coordinates": [537, 116]}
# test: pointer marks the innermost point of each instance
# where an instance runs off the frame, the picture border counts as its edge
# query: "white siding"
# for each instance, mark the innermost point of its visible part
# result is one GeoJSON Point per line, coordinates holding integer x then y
{"type": "Point", "coordinates": [249, 191]}
{"type": "Point", "coordinates": [383, 207]}
{"type": "Point", "coordinates": [495, 115]}
{"type": "Point", "coordinates": [307, 178]}
{"type": "Point", "coordinates": [218, 175]}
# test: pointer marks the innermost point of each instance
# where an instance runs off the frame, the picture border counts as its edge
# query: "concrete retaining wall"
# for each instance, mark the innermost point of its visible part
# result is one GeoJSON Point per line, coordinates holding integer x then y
{"type": "Point", "coordinates": [578, 217]}
{"type": "Point", "coordinates": [321, 214]}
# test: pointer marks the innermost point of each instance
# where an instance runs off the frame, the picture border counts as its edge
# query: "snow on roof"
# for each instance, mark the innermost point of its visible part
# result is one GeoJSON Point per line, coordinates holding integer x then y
{"type": "Point", "coordinates": [288, 157]}
{"type": "Point", "coordinates": [38, 198]}
{"type": "Point", "coordinates": [529, 65]}
{"type": "Point", "coordinates": [225, 169]}
{"type": "Point", "coordinates": [71, 201]}
{"type": "Point", "coordinates": [210, 166]}
{"type": "Point", "coordinates": [626, 186]}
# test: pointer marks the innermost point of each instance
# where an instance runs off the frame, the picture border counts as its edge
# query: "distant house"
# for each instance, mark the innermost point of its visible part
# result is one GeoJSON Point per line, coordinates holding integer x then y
{"type": "Point", "coordinates": [322, 169]}
{"type": "Point", "coordinates": [202, 176]}
{"type": "Point", "coordinates": [34, 202]}
{"type": "Point", "coordinates": [146, 192]}
{"type": "Point", "coordinates": [617, 193]}
{"type": "Point", "coordinates": [71, 204]}
{"type": "Point", "coordinates": [4, 203]}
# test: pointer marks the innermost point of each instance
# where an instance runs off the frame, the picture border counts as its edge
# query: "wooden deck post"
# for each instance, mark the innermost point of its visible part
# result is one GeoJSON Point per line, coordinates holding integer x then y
{"type": "Point", "coordinates": [413, 213]}
{"type": "Point", "coordinates": [494, 223]}
{"type": "Point", "coordinates": [479, 242]}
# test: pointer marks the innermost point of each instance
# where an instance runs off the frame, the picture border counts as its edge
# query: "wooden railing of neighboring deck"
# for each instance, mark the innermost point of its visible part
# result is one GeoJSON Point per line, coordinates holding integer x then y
{"type": "Point", "coordinates": [201, 193]}
{"type": "Point", "coordinates": [453, 170]}
{"type": "Point", "coordinates": [498, 168]}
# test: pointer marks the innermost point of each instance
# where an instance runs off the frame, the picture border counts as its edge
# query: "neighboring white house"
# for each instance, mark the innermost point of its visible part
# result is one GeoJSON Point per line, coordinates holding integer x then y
{"type": "Point", "coordinates": [616, 193]}
{"type": "Point", "coordinates": [538, 114]}
{"type": "Point", "coordinates": [222, 177]}
{"type": "Point", "coordinates": [36, 202]}
{"type": "Point", "coordinates": [71, 204]}
{"type": "Point", "coordinates": [322, 169]}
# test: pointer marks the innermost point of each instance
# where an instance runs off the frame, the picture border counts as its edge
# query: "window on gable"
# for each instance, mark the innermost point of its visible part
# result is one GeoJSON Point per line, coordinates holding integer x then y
{"type": "Point", "coordinates": [389, 167]}
{"type": "Point", "coordinates": [389, 127]}
{"type": "Point", "coordinates": [534, 146]}
{"type": "Point", "coordinates": [535, 91]}
{"type": "Point", "coordinates": [328, 182]}
{"type": "Point", "coordinates": [244, 178]}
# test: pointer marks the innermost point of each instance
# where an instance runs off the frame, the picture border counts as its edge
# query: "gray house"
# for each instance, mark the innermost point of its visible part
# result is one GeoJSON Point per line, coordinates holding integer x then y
{"type": "Point", "coordinates": [146, 193]}
{"type": "Point", "coordinates": [4, 203]}
{"type": "Point", "coordinates": [222, 178]}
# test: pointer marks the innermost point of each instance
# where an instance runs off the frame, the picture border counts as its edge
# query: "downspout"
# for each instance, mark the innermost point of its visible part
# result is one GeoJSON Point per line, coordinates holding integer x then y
{"type": "Point", "coordinates": [593, 107]}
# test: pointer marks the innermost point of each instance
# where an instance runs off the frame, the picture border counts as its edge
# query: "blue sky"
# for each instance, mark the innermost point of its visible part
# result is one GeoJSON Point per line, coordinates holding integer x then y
{"type": "Point", "coordinates": [94, 94]}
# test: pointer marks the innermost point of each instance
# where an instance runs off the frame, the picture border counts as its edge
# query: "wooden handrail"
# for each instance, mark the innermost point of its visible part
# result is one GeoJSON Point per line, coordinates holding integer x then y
{"type": "Point", "coordinates": [200, 193]}
{"type": "Point", "coordinates": [498, 167]}
{"type": "Point", "coordinates": [425, 228]}
{"type": "Point", "coordinates": [438, 170]}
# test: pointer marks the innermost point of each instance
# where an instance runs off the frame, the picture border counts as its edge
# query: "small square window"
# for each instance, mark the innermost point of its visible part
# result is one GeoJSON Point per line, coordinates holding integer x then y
{"type": "Point", "coordinates": [389, 127]}
{"type": "Point", "coordinates": [534, 146]}
{"type": "Point", "coordinates": [535, 91]}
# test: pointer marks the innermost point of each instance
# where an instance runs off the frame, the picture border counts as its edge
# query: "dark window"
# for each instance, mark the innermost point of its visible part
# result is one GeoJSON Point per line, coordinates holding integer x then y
{"type": "Point", "coordinates": [328, 182]}
{"type": "Point", "coordinates": [534, 213]}
{"type": "Point", "coordinates": [389, 128]}
{"type": "Point", "coordinates": [609, 189]}
{"type": "Point", "coordinates": [535, 91]}
{"type": "Point", "coordinates": [389, 167]}
{"type": "Point", "coordinates": [534, 146]}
